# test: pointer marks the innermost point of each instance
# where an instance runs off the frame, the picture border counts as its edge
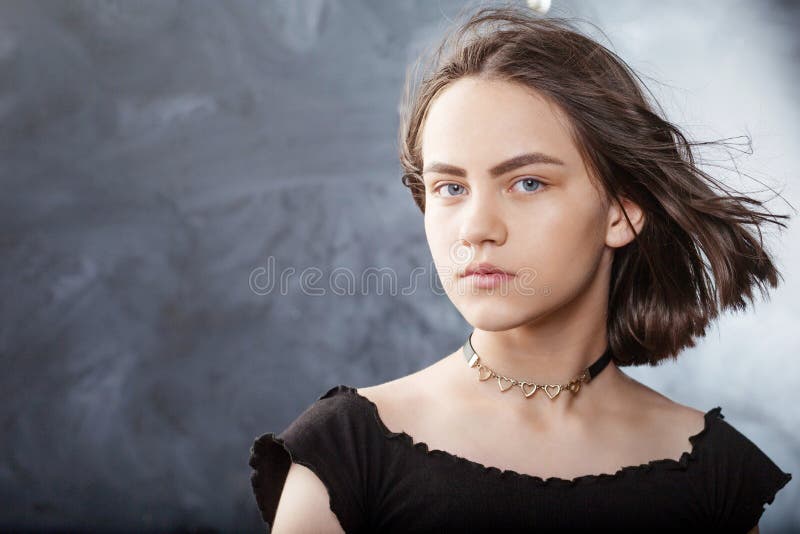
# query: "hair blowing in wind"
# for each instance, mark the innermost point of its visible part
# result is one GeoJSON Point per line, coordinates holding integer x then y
{"type": "Point", "coordinates": [701, 249]}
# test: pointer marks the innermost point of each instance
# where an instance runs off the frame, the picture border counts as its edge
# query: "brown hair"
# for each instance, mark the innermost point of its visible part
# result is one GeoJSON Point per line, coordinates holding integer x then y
{"type": "Point", "coordinates": [661, 294]}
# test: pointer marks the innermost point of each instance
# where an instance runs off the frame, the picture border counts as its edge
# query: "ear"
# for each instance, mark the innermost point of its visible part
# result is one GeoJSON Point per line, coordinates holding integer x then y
{"type": "Point", "coordinates": [619, 232]}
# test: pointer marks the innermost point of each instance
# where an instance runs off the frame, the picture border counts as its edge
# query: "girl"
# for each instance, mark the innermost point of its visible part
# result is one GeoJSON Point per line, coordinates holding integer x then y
{"type": "Point", "coordinates": [572, 229]}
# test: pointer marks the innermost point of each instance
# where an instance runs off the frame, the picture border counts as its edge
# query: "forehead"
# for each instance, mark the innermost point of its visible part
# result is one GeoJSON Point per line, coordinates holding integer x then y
{"type": "Point", "coordinates": [480, 122]}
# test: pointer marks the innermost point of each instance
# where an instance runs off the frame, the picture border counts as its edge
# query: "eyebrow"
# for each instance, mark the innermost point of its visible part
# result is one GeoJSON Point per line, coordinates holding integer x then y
{"type": "Point", "coordinates": [499, 169]}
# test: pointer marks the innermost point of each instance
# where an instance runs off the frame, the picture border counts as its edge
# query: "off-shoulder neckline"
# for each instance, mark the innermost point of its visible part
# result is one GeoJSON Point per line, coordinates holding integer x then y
{"type": "Point", "coordinates": [665, 464]}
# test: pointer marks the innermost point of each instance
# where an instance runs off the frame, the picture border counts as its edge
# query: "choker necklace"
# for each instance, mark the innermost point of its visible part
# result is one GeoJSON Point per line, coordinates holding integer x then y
{"type": "Point", "coordinates": [529, 388]}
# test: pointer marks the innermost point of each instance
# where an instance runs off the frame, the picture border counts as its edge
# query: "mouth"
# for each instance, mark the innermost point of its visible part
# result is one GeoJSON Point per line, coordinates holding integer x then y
{"type": "Point", "coordinates": [488, 278]}
{"type": "Point", "coordinates": [486, 270]}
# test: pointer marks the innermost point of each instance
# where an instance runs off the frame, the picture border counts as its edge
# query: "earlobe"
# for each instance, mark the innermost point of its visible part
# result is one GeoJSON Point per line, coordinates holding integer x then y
{"type": "Point", "coordinates": [619, 231]}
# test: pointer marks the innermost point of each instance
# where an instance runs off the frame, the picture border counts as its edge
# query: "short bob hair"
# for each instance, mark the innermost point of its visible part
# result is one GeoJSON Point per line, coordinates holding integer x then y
{"type": "Point", "coordinates": [661, 294]}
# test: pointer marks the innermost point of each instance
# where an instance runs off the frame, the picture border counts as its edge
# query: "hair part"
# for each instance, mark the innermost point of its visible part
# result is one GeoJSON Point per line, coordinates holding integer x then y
{"type": "Point", "coordinates": [663, 291]}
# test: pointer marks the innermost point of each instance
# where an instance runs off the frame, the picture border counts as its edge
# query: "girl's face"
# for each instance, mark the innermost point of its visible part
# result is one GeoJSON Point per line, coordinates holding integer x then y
{"type": "Point", "coordinates": [540, 218]}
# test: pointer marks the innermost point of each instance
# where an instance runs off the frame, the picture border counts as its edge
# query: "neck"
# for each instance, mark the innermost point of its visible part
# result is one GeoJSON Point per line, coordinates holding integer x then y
{"type": "Point", "coordinates": [534, 356]}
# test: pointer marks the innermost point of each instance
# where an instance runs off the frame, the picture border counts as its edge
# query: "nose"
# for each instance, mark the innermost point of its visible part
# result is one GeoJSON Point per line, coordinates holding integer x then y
{"type": "Point", "coordinates": [482, 222]}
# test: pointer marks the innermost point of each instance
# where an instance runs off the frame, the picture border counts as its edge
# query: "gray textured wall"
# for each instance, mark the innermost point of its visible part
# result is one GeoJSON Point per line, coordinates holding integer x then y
{"type": "Point", "coordinates": [155, 154]}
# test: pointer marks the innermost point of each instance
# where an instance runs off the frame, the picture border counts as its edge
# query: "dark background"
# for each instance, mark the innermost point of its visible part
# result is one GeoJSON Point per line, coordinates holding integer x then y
{"type": "Point", "coordinates": [155, 154]}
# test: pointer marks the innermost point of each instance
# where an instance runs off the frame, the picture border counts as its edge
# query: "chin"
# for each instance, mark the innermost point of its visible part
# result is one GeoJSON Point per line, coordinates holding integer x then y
{"type": "Point", "coordinates": [493, 315]}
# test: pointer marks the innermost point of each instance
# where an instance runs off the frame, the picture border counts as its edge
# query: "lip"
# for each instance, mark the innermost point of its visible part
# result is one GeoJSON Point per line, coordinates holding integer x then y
{"type": "Point", "coordinates": [489, 280]}
{"type": "Point", "coordinates": [486, 270]}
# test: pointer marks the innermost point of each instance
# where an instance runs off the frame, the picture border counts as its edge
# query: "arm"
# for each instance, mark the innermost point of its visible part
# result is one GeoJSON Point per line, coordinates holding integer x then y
{"type": "Point", "coordinates": [753, 530]}
{"type": "Point", "coordinates": [304, 505]}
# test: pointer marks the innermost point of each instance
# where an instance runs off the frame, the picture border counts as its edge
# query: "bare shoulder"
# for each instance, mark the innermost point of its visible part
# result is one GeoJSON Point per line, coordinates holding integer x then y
{"type": "Point", "coordinates": [666, 419]}
{"type": "Point", "coordinates": [400, 398]}
{"type": "Point", "coordinates": [395, 401]}
{"type": "Point", "coordinates": [684, 420]}
{"type": "Point", "coordinates": [401, 394]}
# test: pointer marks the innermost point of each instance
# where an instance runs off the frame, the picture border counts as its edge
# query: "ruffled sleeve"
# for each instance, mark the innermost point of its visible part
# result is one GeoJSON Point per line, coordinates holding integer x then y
{"type": "Point", "coordinates": [328, 439]}
{"type": "Point", "coordinates": [739, 479]}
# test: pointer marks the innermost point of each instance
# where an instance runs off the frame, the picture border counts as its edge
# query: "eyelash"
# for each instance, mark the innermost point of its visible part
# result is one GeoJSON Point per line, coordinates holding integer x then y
{"type": "Point", "coordinates": [541, 186]}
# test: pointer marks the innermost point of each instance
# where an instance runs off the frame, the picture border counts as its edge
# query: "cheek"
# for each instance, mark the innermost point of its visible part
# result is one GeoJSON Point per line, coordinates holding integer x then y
{"type": "Point", "coordinates": [561, 244]}
{"type": "Point", "coordinates": [448, 257]}
{"type": "Point", "coordinates": [438, 234]}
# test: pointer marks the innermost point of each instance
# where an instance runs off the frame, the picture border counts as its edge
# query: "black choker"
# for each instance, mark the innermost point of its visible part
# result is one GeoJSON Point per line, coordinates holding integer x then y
{"type": "Point", "coordinates": [529, 388]}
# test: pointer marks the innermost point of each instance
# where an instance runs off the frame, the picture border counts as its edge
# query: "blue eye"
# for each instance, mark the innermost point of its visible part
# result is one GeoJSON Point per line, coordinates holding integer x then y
{"type": "Point", "coordinates": [451, 188]}
{"type": "Point", "coordinates": [530, 182]}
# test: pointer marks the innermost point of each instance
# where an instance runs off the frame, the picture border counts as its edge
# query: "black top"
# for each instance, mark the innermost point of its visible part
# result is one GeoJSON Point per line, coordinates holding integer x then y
{"type": "Point", "coordinates": [379, 480]}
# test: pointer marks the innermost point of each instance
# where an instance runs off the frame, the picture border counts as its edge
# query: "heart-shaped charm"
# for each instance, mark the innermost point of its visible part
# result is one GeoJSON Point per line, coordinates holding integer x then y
{"type": "Point", "coordinates": [481, 376]}
{"type": "Point", "coordinates": [500, 381]}
{"type": "Point", "coordinates": [556, 387]}
{"type": "Point", "coordinates": [528, 394]}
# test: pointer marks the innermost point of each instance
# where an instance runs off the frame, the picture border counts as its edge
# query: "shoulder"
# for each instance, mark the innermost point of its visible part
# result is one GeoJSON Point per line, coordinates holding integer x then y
{"type": "Point", "coordinates": [333, 410]}
{"type": "Point", "coordinates": [338, 423]}
{"type": "Point", "coordinates": [401, 391]}
{"type": "Point", "coordinates": [327, 439]}
{"type": "Point", "coordinates": [400, 401]}
{"type": "Point", "coordinates": [420, 387]}
{"type": "Point", "coordinates": [674, 423]}
{"type": "Point", "coordinates": [655, 424]}
{"type": "Point", "coordinates": [653, 406]}
{"type": "Point", "coordinates": [734, 477]}
{"type": "Point", "coordinates": [666, 413]}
